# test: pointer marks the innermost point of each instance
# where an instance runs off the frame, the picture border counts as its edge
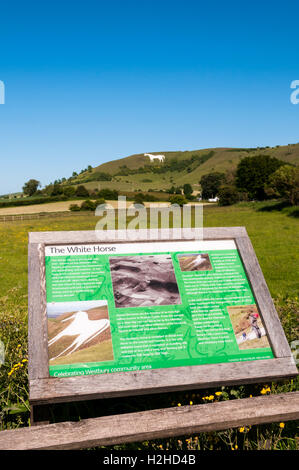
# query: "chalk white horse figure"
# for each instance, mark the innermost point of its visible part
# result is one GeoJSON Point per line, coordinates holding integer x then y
{"type": "Point", "coordinates": [84, 329]}
{"type": "Point", "coordinates": [161, 158]}
{"type": "Point", "coordinates": [198, 261]}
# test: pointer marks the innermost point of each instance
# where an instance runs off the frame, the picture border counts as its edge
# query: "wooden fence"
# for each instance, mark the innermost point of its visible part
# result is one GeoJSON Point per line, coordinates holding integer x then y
{"type": "Point", "coordinates": [42, 215]}
{"type": "Point", "coordinates": [154, 424]}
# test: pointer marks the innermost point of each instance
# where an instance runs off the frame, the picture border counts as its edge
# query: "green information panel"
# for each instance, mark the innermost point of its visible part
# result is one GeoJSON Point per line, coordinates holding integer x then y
{"type": "Point", "coordinates": [137, 306]}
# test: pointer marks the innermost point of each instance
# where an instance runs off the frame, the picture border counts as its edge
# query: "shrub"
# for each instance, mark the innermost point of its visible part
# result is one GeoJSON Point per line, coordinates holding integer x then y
{"type": "Point", "coordinates": [88, 205]}
{"type": "Point", "coordinates": [69, 191]}
{"type": "Point", "coordinates": [74, 207]}
{"type": "Point", "coordinates": [228, 195]}
{"type": "Point", "coordinates": [140, 198]}
{"type": "Point", "coordinates": [107, 193]}
{"type": "Point", "coordinates": [187, 190]}
{"type": "Point", "coordinates": [100, 201]}
{"type": "Point", "coordinates": [81, 191]}
{"type": "Point", "coordinates": [178, 199]}
{"type": "Point", "coordinates": [57, 190]}
{"type": "Point", "coordinates": [28, 201]}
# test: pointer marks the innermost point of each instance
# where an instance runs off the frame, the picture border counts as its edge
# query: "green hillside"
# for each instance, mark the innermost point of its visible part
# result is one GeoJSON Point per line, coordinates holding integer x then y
{"type": "Point", "coordinates": [138, 172]}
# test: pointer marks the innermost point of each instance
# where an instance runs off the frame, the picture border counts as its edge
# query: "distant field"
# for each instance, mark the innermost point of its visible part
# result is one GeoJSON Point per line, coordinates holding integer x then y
{"type": "Point", "coordinates": [54, 207]}
{"type": "Point", "coordinates": [61, 206]}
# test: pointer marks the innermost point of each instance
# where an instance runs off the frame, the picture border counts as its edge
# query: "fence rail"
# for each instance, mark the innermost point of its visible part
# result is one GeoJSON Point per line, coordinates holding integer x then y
{"type": "Point", "coordinates": [154, 424]}
{"type": "Point", "coordinates": [42, 215]}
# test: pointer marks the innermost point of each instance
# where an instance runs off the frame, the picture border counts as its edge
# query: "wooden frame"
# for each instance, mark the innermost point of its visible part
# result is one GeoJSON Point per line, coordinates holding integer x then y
{"type": "Point", "coordinates": [45, 389]}
{"type": "Point", "coordinates": [153, 424]}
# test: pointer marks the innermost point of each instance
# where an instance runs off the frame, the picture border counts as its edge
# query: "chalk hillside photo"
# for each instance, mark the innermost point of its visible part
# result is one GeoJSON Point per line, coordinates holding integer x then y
{"type": "Point", "coordinates": [83, 335]}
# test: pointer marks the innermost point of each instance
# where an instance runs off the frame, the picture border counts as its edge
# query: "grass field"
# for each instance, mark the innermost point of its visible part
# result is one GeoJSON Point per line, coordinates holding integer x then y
{"type": "Point", "coordinates": [274, 235]}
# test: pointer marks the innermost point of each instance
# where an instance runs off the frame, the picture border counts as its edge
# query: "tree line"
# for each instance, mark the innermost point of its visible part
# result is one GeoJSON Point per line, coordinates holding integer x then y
{"type": "Point", "coordinates": [256, 178]}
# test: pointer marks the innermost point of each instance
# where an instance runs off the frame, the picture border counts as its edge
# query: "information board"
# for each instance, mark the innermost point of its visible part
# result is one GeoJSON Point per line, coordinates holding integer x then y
{"type": "Point", "coordinates": [116, 315]}
{"type": "Point", "coordinates": [141, 306]}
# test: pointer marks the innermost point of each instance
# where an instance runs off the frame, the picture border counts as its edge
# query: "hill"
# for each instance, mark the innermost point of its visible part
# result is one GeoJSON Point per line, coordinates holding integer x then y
{"type": "Point", "coordinates": [179, 167]}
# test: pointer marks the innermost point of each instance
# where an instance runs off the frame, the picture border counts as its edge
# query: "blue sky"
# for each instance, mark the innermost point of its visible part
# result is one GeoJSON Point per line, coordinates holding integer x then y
{"type": "Point", "coordinates": [87, 82]}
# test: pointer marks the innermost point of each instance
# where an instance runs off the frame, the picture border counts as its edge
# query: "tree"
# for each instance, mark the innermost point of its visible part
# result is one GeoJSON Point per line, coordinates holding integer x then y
{"type": "Point", "coordinates": [178, 199]}
{"type": "Point", "coordinates": [56, 190]}
{"type": "Point", "coordinates": [253, 174]}
{"type": "Point", "coordinates": [69, 191]}
{"type": "Point", "coordinates": [30, 187]}
{"type": "Point", "coordinates": [100, 202]}
{"type": "Point", "coordinates": [81, 191]}
{"type": "Point", "coordinates": [284, 182]}
{"type": "Point", "coordinates": [88, 205]}
{"type": "Point", "coordinates": [109, 194]}
{"type": "Point", "coordinates": [187, 190]}
{"type": "Point", "coordinates": [210, 184]}
{"type": "Point", "coordinates": [171, 190]}
{"type": "Point", "coordinates": [228, 195]}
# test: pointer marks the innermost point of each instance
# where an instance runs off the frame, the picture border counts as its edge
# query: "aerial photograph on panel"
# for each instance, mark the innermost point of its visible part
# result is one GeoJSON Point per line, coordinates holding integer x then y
{"type": "Point", "coordinates": [145, 280]}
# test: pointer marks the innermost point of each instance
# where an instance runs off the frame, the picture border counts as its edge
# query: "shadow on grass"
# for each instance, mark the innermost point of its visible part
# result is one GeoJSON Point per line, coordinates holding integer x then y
{"type": "Point", "coordinates": [294, 213]}
{"type": "Point", "coordinates": [281, 206]}
{"type": "Point", "coordinates": [277, 206]}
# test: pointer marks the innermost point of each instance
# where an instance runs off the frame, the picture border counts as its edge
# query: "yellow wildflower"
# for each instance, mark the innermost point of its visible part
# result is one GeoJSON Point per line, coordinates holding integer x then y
{"type": "Point", "coordinates": [265, 390]}
{"type": "Point", "coordinates": [179, 404]}
{"type": "Point", "coordinates": [218, 394]}
{"type": "Point", "coordinates": [281, 425]}
{"type": "Point", "coordinates": [191, 402]}
{"type": "Point", "coordinates": [242, 429]}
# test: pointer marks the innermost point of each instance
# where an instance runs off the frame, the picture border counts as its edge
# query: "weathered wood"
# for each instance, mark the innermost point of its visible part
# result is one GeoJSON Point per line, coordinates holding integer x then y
{"type": "Point", "coordinates": [55, 389]}
{"type": "Point", "coordinates": [38, 366]}
{"type": "Point", "coordinates": [263, 298]}
{"type": "Point", "coordinates": [151, 235]}
{"type": "Point", "coordinates": [155, 424]}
